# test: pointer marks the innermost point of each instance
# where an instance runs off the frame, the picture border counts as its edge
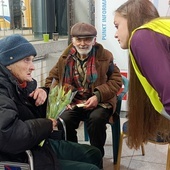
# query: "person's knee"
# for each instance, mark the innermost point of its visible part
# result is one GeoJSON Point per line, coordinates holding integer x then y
{"type": "Point", "coordinates": [99, 158]}
{"type": "Point", "coordinates": [96, 121]}
{"type": "Point", "coordinates": [94, 156]}
{"type": "Point", "coordinates": [93, 167]}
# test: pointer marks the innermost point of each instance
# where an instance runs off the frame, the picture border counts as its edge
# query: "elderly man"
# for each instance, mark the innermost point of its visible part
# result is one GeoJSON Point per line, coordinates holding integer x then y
{"type": "Point", "coordinates": [89, 69]}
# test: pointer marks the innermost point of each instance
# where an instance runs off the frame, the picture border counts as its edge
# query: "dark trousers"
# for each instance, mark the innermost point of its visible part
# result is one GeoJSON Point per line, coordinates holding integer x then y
{"type": "Point", "coordinates": [74, 156]}
{"type": "Point", "coordinates": [96, 124]}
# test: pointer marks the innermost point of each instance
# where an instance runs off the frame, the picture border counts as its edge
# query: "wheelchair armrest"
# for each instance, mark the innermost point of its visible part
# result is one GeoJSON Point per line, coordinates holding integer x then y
{"type": "Point", "coordinates": [30, 159]}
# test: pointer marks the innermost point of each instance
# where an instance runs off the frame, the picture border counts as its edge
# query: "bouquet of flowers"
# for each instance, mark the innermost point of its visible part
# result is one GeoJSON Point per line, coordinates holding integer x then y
{"type": "Point", "coordinates": [59, 97]}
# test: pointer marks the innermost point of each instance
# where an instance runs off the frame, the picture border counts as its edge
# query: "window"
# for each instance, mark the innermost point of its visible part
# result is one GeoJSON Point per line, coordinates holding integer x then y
{"type": "Point", "coordinates": [30, 18]}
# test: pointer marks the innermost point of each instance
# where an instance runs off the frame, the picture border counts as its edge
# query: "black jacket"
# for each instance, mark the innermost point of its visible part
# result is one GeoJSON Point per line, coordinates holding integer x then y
{"type": "Point", "coordinates": [22, 124]}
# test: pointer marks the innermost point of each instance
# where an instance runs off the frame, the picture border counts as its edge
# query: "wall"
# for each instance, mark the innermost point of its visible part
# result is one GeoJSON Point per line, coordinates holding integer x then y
{"type": "Point", "coordinates": [47, 55]}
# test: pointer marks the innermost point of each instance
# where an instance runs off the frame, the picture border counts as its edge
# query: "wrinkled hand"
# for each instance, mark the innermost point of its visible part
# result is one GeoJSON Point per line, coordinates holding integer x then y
{"type": "Point", "coordinates": [91, 103]}
{"type": "Point", "coordinates": [39, 95]}
{"type": "Point", "coordinates": [69, 107]}
{"type": "Point", "coordinates": [54, 123]}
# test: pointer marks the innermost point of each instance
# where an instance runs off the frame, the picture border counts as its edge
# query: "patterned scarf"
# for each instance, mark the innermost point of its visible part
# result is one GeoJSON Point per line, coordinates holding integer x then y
{"type": "Point", "coordinates": [79, 73]}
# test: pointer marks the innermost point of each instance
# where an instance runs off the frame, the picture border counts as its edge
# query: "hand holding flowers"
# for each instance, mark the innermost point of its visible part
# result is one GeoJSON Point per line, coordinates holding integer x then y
{"type": "Point", "coordinates": [58, 99]}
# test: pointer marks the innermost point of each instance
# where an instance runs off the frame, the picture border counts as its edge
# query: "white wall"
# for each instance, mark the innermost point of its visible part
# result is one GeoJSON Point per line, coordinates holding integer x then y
{"type": "Point", "coordinates": [47, 56]}
{"type": "Point", "coordinates": [162, 6]}
{"type": "Point", "coordinates": [4, 8]}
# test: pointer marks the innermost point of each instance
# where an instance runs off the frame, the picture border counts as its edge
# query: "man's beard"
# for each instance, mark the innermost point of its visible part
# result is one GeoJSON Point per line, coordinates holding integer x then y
{"type": "Point", "coordinates": [83, 51]}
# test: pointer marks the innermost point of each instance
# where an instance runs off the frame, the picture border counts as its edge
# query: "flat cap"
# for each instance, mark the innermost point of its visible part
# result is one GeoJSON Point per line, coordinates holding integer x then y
{"type": "Point", "coordinates": [83, 30]}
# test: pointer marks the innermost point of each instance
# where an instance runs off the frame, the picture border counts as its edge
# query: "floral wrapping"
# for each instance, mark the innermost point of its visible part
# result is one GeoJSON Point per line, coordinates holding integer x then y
{"type": "Point", "coordinates": [59, 97]}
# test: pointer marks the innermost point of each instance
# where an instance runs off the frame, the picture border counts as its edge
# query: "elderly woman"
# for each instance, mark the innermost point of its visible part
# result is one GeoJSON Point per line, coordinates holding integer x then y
{"type": "Point", "coordinates": [23, 122]}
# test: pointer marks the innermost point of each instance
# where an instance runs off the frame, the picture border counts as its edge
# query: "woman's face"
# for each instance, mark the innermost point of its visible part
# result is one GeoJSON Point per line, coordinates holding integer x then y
{"type": "Point", "coordinates": [122, 33]}
{"type": "Point", "coordinates": [22, 69]}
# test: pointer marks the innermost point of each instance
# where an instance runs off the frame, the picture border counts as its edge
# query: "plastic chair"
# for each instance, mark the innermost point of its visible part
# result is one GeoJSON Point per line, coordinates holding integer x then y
{"type": "Point", "coordinates": [158, 141]}
{"type": "Point", "coordinates": [115, 127]}
{"type": "Point", "coordinates": [19, 165]}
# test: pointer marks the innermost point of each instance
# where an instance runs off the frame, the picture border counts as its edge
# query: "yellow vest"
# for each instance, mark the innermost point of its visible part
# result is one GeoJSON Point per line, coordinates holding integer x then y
{"type": "Point", "coordinates": [162, 26]}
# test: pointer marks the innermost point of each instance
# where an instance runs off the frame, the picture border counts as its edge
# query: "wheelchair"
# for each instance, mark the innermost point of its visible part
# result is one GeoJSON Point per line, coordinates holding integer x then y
{"type": "Point", "coordinates": [7, 165]}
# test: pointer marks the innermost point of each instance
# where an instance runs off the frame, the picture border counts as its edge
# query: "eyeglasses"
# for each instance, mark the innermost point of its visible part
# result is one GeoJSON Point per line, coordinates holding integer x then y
{"type": "Point", "coordinates": [86, 40]}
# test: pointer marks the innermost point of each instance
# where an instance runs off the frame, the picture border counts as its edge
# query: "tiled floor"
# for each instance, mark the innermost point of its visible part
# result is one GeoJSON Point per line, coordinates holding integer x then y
{"type": "Point", "coordinates": [154, 159]}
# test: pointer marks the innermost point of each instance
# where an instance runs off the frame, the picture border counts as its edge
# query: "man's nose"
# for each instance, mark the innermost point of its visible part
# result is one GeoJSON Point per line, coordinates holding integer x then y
{"type": "Point", "coordinates": [82, 41]}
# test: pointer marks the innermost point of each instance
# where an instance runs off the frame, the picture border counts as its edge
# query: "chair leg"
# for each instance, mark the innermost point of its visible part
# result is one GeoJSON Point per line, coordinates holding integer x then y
{"type": "Point", "coordinates": [86, 136]}
{"type": "Point", "coordinates": [143, 150]}
{"type": "Point", "coordinates": [64, 127]}
{"type": "Point", "coordinates": [115, 139]}
{"type": "Point", "coordinates": [117, 165]}
{"type": "Point", "coordinates": [168, 158]}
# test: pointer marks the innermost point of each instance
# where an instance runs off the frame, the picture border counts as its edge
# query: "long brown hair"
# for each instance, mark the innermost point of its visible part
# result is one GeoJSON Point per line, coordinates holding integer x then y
{"type": "Point", "coordinates": [144, 122]}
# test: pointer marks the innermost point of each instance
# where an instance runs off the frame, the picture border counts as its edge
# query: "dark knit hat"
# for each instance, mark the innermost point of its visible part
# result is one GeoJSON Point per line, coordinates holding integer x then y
{"type": "Point", "coordinates": [14, 48]}
{"type": "Point", "coordinates": [83, 30]}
